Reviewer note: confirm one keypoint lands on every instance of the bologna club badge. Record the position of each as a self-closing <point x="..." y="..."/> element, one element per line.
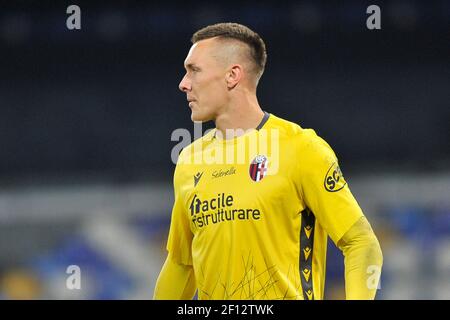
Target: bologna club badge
<point x="258" y="168"/>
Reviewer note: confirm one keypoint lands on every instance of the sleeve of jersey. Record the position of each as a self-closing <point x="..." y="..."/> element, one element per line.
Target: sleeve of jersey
<point x="363" y="261"/>
<point x="180" y="236"/>
<point x="175" y="282"/>
<point x="323" y="187"/>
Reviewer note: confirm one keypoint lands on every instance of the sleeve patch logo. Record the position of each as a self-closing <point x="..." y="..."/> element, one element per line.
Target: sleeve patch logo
<point x="334" y="180"/>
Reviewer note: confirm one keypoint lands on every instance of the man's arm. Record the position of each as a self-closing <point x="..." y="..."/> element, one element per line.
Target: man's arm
<point x="363" y="261"/>
<point x="328" y="196"/>
<point x="175" y="282"/>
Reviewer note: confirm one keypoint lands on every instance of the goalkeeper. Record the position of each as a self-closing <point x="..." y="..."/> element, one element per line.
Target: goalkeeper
<point x="254" y="223"/>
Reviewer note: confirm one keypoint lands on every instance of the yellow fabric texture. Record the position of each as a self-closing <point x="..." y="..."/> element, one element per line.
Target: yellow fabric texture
<point x="258" y="233"/>
<point x="175" y="282"/>
<point x="363" y="261"/>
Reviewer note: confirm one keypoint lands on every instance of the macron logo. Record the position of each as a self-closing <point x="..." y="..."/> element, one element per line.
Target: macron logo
<point x="197" y="177"/>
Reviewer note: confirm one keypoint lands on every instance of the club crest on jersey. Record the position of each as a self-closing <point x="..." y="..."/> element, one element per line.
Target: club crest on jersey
<point x="258" y="168"/>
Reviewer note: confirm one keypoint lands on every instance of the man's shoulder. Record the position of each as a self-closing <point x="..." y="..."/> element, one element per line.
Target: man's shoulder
<point x="305" y="140"/>
<point x="310" y="149"/>
<point x="292" y="129"/>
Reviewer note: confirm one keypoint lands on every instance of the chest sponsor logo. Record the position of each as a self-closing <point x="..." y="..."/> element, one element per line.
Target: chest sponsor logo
<point x="219" y="209"/>
<point x="258" y="168"/>
<point x="334" y="180"/>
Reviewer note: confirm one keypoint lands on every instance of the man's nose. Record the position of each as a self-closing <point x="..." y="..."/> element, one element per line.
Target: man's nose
<point x="184" y="85"/>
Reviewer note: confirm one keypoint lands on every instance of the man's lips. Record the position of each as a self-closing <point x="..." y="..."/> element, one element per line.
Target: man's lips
<point x="190" y="101"/>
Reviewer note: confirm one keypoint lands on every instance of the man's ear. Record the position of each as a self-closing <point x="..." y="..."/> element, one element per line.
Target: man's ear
<point x="234" y="75"/>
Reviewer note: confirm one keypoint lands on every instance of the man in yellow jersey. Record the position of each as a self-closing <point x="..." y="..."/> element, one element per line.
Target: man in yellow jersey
<point x="256" y="197"/>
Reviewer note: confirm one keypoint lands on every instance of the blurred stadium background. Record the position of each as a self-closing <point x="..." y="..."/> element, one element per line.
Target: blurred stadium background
<point x="86" y="118"/>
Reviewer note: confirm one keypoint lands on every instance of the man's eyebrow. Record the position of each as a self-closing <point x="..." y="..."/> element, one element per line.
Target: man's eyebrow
<point x="191" y="66"/>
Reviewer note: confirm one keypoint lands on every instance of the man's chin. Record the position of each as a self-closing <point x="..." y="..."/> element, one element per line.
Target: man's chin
<point x="195" y="117"/>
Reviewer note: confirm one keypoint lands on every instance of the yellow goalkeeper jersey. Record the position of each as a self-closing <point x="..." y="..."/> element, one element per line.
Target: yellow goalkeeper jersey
<point x="252" y="214"/>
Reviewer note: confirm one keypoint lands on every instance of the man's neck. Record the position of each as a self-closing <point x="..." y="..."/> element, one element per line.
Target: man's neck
<point x="239" y="117"/>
